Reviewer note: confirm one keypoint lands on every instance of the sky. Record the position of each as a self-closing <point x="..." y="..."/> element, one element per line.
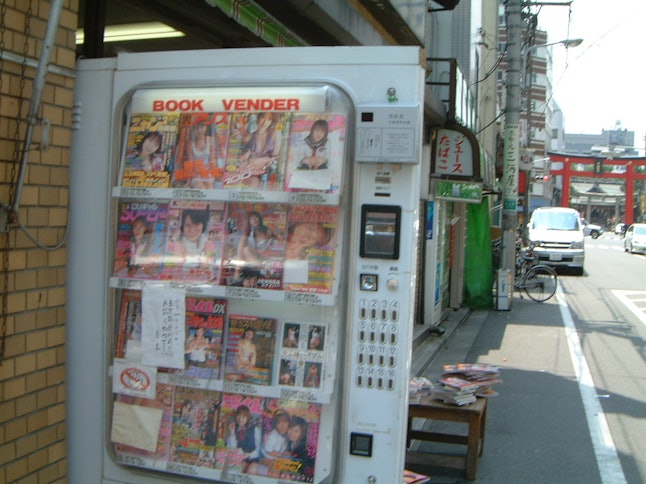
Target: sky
<point x="603" y="80"/>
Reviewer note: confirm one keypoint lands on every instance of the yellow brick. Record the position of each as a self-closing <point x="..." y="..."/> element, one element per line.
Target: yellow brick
<point x="15" y="429"/>
<point x="25" y="280"/>
<point x="37" y="460"/>
<point x="56" y="375"/>
<point x="46" y="318"/>
<point x="37" y="340"/>
<point x="14" y="345"/>
<point x="26" y="445"/>
<point x="37" y="216"/>
<point x="15" y="470"/>
<point x="59" y="176"/>
<point x="46" y="358"/>
<point x="36" y="381"/>
<point x="18" y="260"/>
<point x="56" y="296"/>
<point x="26" y="404"/>
<point x="14" y="388"/>
<point x="56" y="336"/>
<point x="36" y="421"/>
<point x="7" y="411"/>
<point x="7" y="371"/>
<point x="56" y="452"/>
<point x="56" y="414"/>
<point x="7" y="453"/>
<point x="47" y="436"/>
<point x="35" y="300"/>
<point x="58" y="217"/>
<point x="49" y="196"/>
<point x="25" y="363"/>
<point x="16" y="302"/>
<point x="46" y="397"/>
<point x="26" y="322"/>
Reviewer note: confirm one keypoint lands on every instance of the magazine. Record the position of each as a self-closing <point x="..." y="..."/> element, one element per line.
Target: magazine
<point x="140" y="239"/>
<point x="150" y="150"/>
<point x="240" y="432"/>
<point x="290" y="440"/>
<point x="411" y="477"/>
<point x="250" y="349"/>
<point x="201" y="150"/>
<point x="254" y="249"/>
<point x="128" y="332"/>
<point x="195" y="426"/>
<point x="302" y="354"/>
<point x="164" y="400"/>
<point x="255" y="153"/>
<point x="310" y="251"/>
<point x="315" y="152"/>
<point x="194" y="242"/>
<point x="204" y="337"/>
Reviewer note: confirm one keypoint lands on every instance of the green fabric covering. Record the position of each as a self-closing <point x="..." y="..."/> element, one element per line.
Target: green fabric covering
<point x="478" y="270"/>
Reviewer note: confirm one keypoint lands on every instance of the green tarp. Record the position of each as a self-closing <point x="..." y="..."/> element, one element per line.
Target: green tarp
<point x="478" y="270"/>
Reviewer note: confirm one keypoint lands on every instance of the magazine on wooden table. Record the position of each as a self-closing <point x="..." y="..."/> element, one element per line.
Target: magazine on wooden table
<point x="141" y="236"/>
<point x="256" y="151"/>
<point x="290" y="440"/>
<point x="204" y="348"/>
<point x="310" y="252"/>
<point x="150" y="150"/>
<point x="194" y="241"/>
<point x="254" y="249"/>
<point x="315" y="152"/>
<point x="201" y="150"/>
<point x="302" y="354"/>
<point x="250" y="349"/>
<point x="240" y="432"/>
<point x="164" y="399"/>
<point x="195" y="426"/>
<point x="411" y="477"/>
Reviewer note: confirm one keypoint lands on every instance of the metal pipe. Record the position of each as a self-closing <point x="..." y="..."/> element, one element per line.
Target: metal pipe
<point x="37" y="94"/>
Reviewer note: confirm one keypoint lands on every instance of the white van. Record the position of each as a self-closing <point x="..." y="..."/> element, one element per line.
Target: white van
<point x="556" y="233"/>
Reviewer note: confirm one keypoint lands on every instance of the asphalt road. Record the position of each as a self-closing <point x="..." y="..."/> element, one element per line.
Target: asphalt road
<point x="572" y="407"/>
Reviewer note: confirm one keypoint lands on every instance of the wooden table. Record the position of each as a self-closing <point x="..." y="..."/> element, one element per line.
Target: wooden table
<point x="475" y="415"/>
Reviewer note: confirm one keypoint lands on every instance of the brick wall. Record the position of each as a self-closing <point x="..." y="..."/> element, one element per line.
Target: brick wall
<point x="32" y="371"/>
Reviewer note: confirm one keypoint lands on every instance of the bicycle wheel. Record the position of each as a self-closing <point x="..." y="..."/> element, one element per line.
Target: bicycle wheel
<point x="540" y="283"/>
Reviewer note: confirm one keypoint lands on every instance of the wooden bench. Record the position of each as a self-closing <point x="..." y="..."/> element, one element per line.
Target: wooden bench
<point x="475" y="415"/>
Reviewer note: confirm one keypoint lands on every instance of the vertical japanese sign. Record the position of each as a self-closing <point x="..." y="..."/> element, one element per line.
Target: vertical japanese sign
<point x="510" y="168"/>
<point x="162" y="331"/>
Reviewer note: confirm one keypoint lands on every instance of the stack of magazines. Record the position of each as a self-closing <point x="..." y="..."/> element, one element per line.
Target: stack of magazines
<point x="418" y="388"/>
<point x="463" y="382"/>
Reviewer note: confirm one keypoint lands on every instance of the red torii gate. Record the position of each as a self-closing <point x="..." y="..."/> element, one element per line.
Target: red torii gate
<point x="630" y="175"/>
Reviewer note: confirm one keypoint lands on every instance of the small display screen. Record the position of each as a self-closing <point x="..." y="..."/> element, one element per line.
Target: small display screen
<point x="367" y="117"/>
<point x="380" y="226"/>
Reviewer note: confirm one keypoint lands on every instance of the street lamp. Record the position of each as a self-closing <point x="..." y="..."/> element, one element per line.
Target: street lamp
<point x="525" y="69"/>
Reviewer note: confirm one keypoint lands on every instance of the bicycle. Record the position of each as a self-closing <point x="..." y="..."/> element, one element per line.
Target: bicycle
<point x="539" y="281"/>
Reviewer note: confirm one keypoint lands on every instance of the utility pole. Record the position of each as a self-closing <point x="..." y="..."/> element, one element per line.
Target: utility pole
<point x="512" y="134"/>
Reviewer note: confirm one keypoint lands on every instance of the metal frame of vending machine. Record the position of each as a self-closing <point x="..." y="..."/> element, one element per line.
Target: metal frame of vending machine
<point x="187" y="349"/>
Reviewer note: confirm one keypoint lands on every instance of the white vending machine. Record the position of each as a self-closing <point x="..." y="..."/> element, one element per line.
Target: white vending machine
<point x="242" y="259"/>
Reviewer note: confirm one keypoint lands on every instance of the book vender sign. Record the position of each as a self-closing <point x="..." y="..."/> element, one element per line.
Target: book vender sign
<point x="455" y="165"/>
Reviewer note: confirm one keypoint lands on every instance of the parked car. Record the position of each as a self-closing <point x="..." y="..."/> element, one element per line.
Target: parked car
<point x="592" y="230"/>
<point x="635" y="238"/>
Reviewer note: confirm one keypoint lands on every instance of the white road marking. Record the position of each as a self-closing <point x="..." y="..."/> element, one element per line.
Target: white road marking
<point x="608" y="462"/>
<point x="630" y="298"/>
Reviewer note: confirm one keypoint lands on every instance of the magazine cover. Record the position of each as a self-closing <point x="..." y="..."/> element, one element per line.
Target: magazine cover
<point x="250" y="349"/>
<point x="164" y="401"/>
<point x="196" y="413"/>
<point x="201" y="150"/>
<point x="255" y="153"/>
<point x="150" y="150"/>
<point x="129" y="324"/>
<point x="254" y="249"/>
<point x="311" y="249"/>
<point x="240" y="432"/>
<point x="140" y="239"/>
<point x="289" y="440"/>
<point x="315" y="152"/>
<point x="302" y="352"/>
<point x="194" y="242"/>
<point x="204" y="337"/>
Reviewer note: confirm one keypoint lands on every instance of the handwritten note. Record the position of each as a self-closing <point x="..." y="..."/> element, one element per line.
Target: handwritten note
<point x="163" y="315"/>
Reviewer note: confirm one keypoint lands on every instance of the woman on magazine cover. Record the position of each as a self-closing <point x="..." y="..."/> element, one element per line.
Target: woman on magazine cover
<point x="306" y="235"/>
<point x="247" y="351"/>
<point x="194" y="247"/>
<point x="147" y="154"/>
<point x="202" y="151"/>
<point x="314" y="149"/>
<point x="261" y="151"/>
<point x="274" y="445"/>
<point x="243" y="433"/>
